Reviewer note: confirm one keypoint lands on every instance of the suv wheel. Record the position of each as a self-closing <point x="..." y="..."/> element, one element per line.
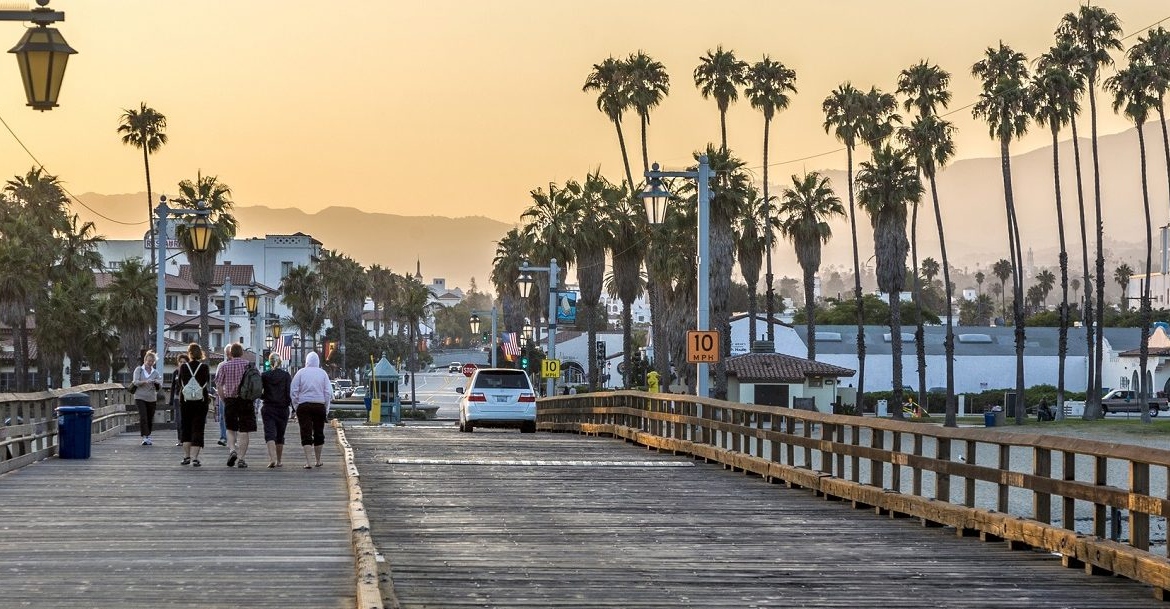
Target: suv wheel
<point x="1153" y="411"/>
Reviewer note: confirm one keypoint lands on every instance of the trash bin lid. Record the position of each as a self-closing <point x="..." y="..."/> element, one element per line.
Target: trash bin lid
<point x="74" y="410"/>
<point x="74" y="399"/>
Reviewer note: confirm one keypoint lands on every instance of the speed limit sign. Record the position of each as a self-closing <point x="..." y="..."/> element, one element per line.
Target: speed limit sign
<point x="702" y="346"/>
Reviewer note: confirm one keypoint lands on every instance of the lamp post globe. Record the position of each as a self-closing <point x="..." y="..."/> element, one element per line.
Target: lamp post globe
<point x="655" y="198"/>
<point x="251" y="301"/>
<point x="276" y="328"/>
<point x="525" y="284"/>
<point x="268" y="341"/>
<point x="527" y="330"/>
<point x="42" y="54"/>
<point x="200" y="233"/>
<point x="474" y="323"/>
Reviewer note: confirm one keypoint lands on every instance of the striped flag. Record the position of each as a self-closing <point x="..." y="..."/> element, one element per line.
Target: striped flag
<point x="511" y="347"/>
<point x="284" y="348"/>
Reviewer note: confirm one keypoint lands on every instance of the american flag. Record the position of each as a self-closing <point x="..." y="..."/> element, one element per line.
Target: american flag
<point x="511" y="347"/>
<point x="284" y="348"/>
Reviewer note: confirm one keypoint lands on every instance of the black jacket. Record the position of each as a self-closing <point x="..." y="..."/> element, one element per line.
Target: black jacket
<point x="276" y="388"/>
<point x="202" y="376"/>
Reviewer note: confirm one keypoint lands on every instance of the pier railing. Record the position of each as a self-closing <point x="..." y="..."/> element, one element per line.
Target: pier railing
<point x="1096" y="504"/>
<point x="28" y="421"/>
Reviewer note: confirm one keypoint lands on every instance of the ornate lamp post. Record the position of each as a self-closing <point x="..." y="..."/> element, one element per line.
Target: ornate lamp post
<point x="525" y="283"/>
<point x="655" y="198"/>
<point x="475" y="325"/>
<point x="200" y="233"/>
<point x="41" y="54"/>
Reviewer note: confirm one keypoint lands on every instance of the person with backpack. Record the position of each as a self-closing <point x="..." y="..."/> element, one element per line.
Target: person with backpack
<point x="193" y="379"/>
<point x="239" y="413"/>
<point x="276" y="408"/>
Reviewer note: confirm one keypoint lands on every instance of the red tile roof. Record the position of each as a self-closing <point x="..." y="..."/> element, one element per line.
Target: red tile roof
<point x="241" y="274"/>
<point x="778" y="367"/>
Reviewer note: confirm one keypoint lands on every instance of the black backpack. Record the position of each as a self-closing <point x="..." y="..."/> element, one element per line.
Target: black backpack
<point x="251" y="385"/>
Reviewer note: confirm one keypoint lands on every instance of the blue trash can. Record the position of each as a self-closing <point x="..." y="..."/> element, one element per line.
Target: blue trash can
<point x="74" y="420"/>
<point x="989" y="419"/>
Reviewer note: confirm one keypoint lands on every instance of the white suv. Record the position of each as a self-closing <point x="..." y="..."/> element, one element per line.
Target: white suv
<point x="497" y="397"/>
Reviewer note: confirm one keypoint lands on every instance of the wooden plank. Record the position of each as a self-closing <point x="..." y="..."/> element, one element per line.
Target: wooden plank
<point x="463" y="523"/>
<point x="131" y="527"/>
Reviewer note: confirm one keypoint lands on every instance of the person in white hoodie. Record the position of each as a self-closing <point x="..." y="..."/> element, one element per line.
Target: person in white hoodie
<point x="311" y="395"/>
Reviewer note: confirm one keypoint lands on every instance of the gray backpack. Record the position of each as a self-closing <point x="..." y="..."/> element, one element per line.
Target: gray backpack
<point x="193" y="391"/>
<point x="251" y="385"/>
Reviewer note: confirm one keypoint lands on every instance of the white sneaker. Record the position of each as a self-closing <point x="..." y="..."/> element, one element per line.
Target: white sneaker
<point x="148" y="441"/>
<point x="145" y="442"/>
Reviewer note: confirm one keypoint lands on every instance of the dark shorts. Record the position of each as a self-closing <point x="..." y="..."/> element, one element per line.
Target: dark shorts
<point x="239" y="415"/>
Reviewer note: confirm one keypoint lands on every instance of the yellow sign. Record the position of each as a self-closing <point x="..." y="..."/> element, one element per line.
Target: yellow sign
<point x="550" y="368"/>
<point x="702" y="346"/>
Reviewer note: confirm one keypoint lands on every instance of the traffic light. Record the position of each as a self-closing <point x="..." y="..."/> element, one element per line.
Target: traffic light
<point x="601" y="359"/>
<point x="524" y="362"/>
<point x="486" y="336"/>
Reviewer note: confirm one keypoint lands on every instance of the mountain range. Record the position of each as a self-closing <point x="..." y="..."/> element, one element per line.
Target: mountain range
<point x="970" y="192"/>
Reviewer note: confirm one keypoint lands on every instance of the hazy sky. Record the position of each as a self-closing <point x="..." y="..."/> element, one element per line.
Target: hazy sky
<point x="461" y="108"/>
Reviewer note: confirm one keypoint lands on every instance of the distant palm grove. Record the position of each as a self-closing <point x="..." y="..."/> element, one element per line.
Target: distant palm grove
<point x="597" y="228"/>
<point x="896" y="142"/>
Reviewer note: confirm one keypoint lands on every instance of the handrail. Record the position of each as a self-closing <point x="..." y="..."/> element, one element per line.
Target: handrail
<point x="1030" y="490"/>
<point x="28" y="421"/>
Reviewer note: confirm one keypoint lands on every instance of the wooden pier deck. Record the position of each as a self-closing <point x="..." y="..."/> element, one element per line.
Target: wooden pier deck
<point x="130" y="527"/>
<point x="502" y="519"/>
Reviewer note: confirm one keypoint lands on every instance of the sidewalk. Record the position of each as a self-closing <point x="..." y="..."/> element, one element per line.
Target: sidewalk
<point x="131" y="527"/>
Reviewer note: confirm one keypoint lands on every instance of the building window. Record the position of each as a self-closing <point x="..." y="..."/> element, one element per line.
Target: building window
<point x="172" y="302"/>
<point x="285" y="268"/>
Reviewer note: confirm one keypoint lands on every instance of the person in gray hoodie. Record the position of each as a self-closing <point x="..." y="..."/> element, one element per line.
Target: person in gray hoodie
<point x="147" y="382"/>
<point x="311" y="395"/>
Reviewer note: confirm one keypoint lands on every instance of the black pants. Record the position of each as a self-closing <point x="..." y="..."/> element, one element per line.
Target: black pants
<point x="145" y="417"/>
<point x="311" y="418"/>
<point x="194" y="416"/>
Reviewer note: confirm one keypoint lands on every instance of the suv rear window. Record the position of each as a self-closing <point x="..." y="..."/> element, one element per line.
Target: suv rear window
<point x="501" y="379"/>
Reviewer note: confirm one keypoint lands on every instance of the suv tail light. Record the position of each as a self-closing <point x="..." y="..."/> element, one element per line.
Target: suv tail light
<point x="477" y="397"/>
<point x="527" y="397"/>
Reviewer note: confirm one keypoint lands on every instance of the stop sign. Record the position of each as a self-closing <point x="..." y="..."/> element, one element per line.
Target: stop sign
<point x="469" y="369"/>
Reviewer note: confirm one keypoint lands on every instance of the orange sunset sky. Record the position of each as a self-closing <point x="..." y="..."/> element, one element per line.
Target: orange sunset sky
<point x="460" y="108"/>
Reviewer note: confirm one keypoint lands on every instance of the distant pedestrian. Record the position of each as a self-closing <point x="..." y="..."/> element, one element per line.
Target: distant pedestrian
<point x="193" y="412"/>
<point x="239" y="416"/>
<point x="147" y="383"/>
<point x="311" y="393"/>
<point x="176" y="393"/>
<point x="219" y="405"/>
<point x="275" y="411"/>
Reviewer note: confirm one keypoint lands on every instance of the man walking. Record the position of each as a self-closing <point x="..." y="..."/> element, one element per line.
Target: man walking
<point x="239" y="415"/>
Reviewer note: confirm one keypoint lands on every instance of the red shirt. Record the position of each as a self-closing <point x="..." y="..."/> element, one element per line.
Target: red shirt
<point x="228" y="376"/>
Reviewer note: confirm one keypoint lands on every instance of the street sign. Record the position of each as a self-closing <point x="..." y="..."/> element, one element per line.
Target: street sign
<point x="550" y="368"/>
<point x="469" y="369"/>
<point x="702" y="346"/>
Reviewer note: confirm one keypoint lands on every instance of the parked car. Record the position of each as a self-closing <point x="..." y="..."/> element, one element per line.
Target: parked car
<point x="454" y="367"/>
<point x="1125" y="400"/>
<point x="359" y="392"/>
<point x="497" y="397"/>
<point x="346" y="387"/>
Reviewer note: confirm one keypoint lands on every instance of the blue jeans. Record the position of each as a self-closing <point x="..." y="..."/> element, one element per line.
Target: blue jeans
<point x="222" y="422"/>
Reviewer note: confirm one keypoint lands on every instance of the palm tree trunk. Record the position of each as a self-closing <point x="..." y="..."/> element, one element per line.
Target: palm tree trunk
<point x="857" y="288"/>
<point x="949" y="345"/>
<point x="1144" y="351"/>
<point x="625" y="155"/>
<point x="770" y="296"/>
<point x="1062" y="340"/>
<point x="810" y="312"/>
<point x="896" y="350"/>
<point x="645" y="147"/>
<point x="1017" y="277"/>
<point x="722" y="254"/>
<point x="919" y="332"/>
<point x="20" y="352"/>
<point x="150" y="206"/>
<point x="723" y="130"/>
<point x="627" y="341"/>
<point x="1093" y="400"/>
<point x="1093" y="408"/>
<point x="204" y="323"/>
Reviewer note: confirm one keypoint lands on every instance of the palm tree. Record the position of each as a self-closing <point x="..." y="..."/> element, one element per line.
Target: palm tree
<point x="929" y="269"/>
<point x="131" y="307"/>
<point x="302" y="293"/>
<point x="145" y="129"/>
<point x="589" y="241"/>
<point x="628" y="250"/>
<point x="805" y="211"/>
<point x="929" y="138"/>
<point x="1121" y="276"/>
<point x="845" y="117"/>
<point x="1055" y="90"/>
<point x="216" y="199"/>
<point x="511" y="250"/>
<point x="719" y="75"/>
<point x="886" y="186"/>
<point x="1005" y="105"/>
<point x="1154" y="53"/>
<point x="1003" y="270"/>
<point x="979" y="278"/>
<point x="1046" y="280"/>
<point x="769" y="83"/>
<point x="1133" y="95"/>
<point x="751" y="234"/>
<point x="648" y="84"/>
<point x="1095" y="31"/>
<point x="609" y="79"/>
<point x="343" y="282"/>
<point x="1075" y="285"/>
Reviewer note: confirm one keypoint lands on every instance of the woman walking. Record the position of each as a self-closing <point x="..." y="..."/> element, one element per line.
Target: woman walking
<point x="176" y="393"/>
<point x="311" y="393"/>
<point x="193" y="412"/>
<point x="277" y="404"/>
<point x="147" y="383"/>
